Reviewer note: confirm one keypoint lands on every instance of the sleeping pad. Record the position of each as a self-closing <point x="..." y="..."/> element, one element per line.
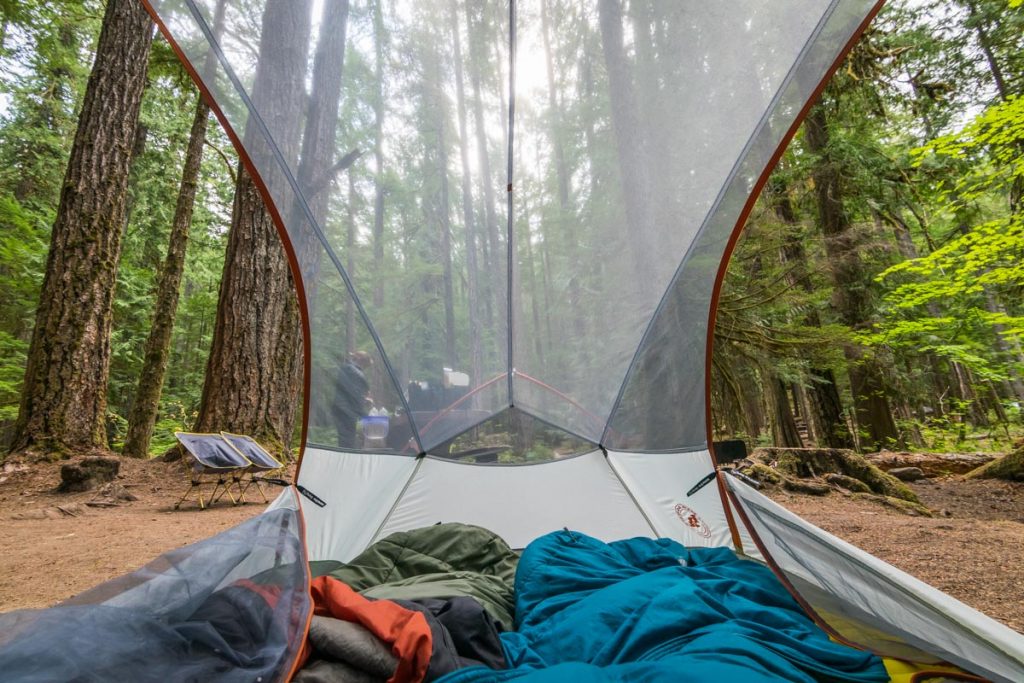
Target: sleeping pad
<point x="653" y="610"/>
<point x="440" y="561"/>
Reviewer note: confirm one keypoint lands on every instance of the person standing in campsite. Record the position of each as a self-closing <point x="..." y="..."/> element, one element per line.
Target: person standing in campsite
<point x="352" y="396"/>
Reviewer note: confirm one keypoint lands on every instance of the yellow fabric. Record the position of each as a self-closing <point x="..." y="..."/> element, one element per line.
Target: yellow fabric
<point x="903" y="672"/>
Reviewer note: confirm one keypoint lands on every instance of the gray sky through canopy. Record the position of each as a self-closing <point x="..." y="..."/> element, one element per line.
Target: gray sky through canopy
<point x="640" y="129"/>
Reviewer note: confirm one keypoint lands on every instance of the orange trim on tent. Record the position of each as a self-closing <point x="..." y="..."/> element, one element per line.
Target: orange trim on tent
<point x="748" y="208"/>
<point x="723" y="265"/>
<point x="289" y="249"/>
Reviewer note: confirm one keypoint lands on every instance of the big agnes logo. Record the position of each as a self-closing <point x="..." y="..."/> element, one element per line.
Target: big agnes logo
<point x="693" y="520"/>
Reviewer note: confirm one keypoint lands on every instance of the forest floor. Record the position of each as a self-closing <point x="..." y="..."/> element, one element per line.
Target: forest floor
<point x="971" y="549"/>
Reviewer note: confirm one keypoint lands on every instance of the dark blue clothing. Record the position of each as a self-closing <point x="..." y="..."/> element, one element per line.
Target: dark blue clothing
<point x="349" y="402"/>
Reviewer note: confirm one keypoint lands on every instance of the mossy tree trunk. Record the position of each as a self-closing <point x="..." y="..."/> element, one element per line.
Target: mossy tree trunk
<point x="1009" y="467"/>
<point x="784" y="431"/>
<point x="850" y="293"/>
<point x="64" y="400"/>
<point x="826" y="405"/>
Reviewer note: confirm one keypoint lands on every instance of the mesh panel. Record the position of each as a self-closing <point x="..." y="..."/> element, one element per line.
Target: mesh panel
<point x="380" y="132"/>
<point x="512" y="437"/>
<point x="662" y="401"/>
<point x="231" y="608"/>
<point x="211" y="450"/>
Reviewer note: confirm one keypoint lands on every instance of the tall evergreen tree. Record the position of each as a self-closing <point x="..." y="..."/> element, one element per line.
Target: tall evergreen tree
<point x="64" y="403"/>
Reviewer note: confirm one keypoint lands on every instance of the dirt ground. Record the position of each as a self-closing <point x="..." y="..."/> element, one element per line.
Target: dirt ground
<point x="46" y="560"/>
<point x="973" y="548"/>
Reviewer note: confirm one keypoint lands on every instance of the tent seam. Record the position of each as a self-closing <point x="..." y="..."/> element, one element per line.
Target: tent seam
<point x="629" y="491"/>
<point x="511" y="156"/>
<point x="398" y="499"/>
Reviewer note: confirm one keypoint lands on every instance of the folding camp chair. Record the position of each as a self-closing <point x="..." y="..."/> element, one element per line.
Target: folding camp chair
<point x="212" y="462"/>
<point x="261" y="463"/>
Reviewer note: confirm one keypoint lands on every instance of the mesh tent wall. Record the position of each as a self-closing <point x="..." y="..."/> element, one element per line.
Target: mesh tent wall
<point x="516" y="217"/>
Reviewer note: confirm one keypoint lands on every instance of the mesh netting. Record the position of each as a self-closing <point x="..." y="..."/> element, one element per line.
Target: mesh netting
<point x="233" y="607"/>
<point x="381" y="132"/>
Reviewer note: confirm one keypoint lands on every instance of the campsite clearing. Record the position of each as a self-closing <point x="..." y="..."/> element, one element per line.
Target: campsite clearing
<point x="971" y="549"/>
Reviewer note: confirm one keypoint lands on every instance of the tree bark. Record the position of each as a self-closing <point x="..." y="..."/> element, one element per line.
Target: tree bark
<point x="475" y="332"/>
<point x="144" y="410"/>
<point x="250" y="372"/>
<point x="826" y="404"/>
<point x="315" y="175"/>
<point x="64" y="399"/>
<point x="566" y="217"/>
<point x="784" y="431"/>
<point x="479" y="52"/>
<point x="378" y="156"/>
<point x="849" y="280"/>
<point x="627" y="126"/>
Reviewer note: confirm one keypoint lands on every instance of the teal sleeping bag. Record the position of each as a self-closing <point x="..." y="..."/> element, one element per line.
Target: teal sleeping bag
<point x="653" y="610"/>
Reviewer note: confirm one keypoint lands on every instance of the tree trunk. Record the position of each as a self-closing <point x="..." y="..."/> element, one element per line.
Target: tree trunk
<point x="378" y="156"/>
<point x="158" y="344"/>
<point x="64" y="399"/>
<point x="477" y="51"/>
<point x="823" y="394"/>
<point x="530" y="266"/>
<point x="566" y="218"/>
<point x="627" y="126"/>
<point x="250" y="373"/>
<point x="350" y="264"/>
<point x="437" y="117"/>
<point x="315" y="175"/>
<point x="784" y="431"/>
<point x="849" y="280"/>
<point x="475" y="332"/>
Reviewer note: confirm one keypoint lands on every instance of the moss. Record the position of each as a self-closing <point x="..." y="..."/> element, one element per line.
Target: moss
<point x="815" y="462"/>
<point x="1009" y="467"/>
<point x="848" y="483"/>
<point x="763" y="474"/>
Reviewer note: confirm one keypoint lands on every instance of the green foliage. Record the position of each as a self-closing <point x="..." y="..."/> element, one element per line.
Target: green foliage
<point x="12" y="370"/>
<point x="980" y="264"/>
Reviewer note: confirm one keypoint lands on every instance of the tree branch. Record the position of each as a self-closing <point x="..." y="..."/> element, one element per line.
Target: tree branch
<point x="323" y="181"/>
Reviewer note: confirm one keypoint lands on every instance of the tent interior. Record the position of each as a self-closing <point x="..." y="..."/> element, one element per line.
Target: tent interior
<point x="507" y="222"/>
